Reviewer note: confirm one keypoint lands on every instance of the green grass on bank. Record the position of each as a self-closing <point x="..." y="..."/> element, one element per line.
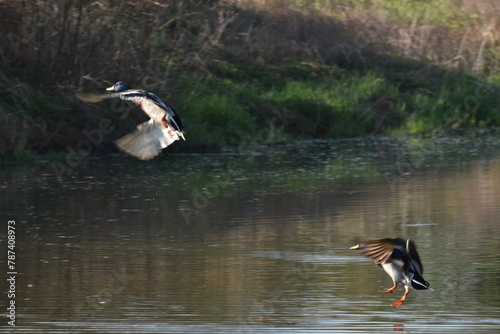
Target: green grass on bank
<point x="295" y="100"/>
<point x="307" y="100"/>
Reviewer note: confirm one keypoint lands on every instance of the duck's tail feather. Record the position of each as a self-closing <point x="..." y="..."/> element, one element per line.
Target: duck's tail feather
<point x="420" y="284"/>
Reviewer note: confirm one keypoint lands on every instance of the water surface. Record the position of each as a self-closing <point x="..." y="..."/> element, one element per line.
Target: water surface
<point x="256" y="239"/>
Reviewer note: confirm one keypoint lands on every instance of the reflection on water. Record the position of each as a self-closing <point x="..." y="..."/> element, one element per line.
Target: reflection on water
<point x="257" y="240"/>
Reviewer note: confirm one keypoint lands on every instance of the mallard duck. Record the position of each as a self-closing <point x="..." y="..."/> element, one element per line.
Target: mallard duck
<point x="400" y="260"/>
<point x="163" y="128"/>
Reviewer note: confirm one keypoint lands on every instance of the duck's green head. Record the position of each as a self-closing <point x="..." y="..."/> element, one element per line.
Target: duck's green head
<point x="118" y="87"/>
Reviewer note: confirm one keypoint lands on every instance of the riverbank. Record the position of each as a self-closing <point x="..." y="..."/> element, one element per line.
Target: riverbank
<point x="246" y="71"/>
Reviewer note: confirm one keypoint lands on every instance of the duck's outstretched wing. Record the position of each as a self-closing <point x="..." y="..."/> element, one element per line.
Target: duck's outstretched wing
<point x="147" y="141"/>
<point x="151" y="104"/>
<point x="93" y="97"/>
<point x="381" y="250"/>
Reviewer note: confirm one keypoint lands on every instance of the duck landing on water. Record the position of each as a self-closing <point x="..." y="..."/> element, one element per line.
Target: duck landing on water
<point x="163" y="128"/>
<point x="400" y="260"/>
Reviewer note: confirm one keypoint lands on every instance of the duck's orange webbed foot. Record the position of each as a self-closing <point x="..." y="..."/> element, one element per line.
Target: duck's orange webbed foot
<point x="398" y="303"/>
<point x="389" y="290"/>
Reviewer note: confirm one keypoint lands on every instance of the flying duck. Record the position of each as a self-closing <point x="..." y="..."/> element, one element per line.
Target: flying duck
<point x="163" y="128"/>
<point x="400" y="260"/>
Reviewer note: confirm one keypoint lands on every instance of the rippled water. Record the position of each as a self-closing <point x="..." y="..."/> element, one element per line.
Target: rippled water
<point x="257" y="240"/>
